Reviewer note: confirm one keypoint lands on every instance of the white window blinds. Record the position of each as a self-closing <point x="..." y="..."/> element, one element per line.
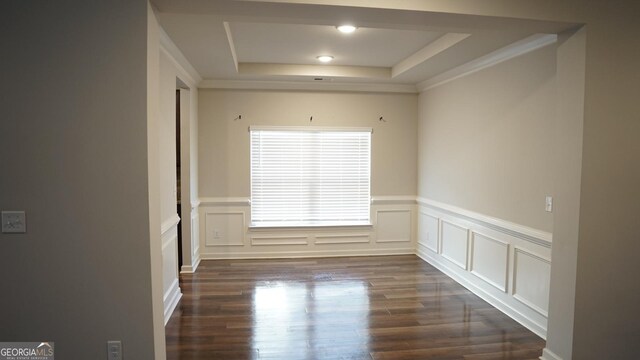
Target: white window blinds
<point x="310" y="176"/>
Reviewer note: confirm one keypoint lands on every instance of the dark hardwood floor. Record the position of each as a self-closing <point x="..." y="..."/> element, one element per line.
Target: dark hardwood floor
<point x="383" y="307"/>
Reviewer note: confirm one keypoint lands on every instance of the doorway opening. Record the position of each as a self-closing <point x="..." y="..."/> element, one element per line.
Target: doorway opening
<point x="178" y="180"/>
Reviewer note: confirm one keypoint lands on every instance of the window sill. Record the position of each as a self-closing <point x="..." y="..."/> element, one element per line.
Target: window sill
<point x="308" y="225"/>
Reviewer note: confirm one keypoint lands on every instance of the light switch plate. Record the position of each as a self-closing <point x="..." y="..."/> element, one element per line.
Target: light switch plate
<point x="548" y="204"/>
<point x="114" y="350"/>
<point x="14" y="222"/>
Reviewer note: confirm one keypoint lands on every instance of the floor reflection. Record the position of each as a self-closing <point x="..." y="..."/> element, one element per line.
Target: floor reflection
<point x="391" y="307"/>
<point x="296" y="320"/>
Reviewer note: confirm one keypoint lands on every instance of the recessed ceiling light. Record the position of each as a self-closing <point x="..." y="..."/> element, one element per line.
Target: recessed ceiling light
<point x="324" y="58"/>
<point x="346" y="29"/>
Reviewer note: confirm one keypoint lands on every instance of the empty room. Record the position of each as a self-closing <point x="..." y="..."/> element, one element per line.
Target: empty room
<point x="271" y="179"/>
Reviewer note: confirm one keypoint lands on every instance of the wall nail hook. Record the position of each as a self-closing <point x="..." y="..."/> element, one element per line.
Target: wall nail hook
<point x="311" y="119"/>
<point x="381" y="119"/>
<point x="239" y="117"/>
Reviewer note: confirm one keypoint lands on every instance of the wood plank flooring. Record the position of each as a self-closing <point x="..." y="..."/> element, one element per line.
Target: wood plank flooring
<point x="383" y="307"/>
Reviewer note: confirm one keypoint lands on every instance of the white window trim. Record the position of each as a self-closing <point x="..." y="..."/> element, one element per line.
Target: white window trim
<point x="283" y="225"/>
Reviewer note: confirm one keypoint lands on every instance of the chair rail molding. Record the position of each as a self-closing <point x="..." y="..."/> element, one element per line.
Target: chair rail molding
<point x="504" y="263"/>
<point x="224" y="201"/>
<point x="393" y="200"/>
<point x="226" y="232"/>
<point x="169" y="223"/>
<point x="536" y="236"/>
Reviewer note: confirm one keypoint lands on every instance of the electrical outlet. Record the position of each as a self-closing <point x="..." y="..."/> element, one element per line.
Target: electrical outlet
<point x="114" y="350"/>
<point x="14" y="222"/>
<point x="548" y="204"/>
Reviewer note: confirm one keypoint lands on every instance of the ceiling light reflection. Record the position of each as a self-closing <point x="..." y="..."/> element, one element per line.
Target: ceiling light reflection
<point x="325" y="58"/>
<point x="346" y="29"/>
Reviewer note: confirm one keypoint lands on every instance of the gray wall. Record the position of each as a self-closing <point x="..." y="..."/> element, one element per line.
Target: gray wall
<point x="486" y="141"/>
<point x="607" y="289"/>
<point x="73" y="149"/>
<point x="567" y="160"/>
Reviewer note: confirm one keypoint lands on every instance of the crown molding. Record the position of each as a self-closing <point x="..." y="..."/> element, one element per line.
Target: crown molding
<point x="309" y="86"/>
<point x="187" y="72"/>
<point x="518" y="48"/>
<point x="232" y="45"/>
<point x="434" y="48"/>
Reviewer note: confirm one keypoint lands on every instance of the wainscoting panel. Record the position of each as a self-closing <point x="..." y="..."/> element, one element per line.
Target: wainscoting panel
<point x="489" y="260"/>
<point x="169" y="261"/>
<point x="392" y="232"/>
<point x="531" y="280"/>
<point x="393" y="225"/>
<point x="195" y="237"/>
<point x="506" y="264"/>
<point x="330" y="239"/>
<point x="279" y="240"/>
<point x="195" y="244"/>
<point x="431" y="229"/>
<point x="190" y="263"/>
<point x="171" y="288"/>
<point x="224" y="228"/>
<point x="455" y="243"/>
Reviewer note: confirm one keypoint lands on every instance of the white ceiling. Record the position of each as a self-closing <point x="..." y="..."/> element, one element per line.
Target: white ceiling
<point x="260" y="40"/>
<point x="300" y="44"/>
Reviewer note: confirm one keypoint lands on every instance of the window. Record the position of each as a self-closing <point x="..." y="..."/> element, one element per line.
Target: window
<point x="310" y="176"/>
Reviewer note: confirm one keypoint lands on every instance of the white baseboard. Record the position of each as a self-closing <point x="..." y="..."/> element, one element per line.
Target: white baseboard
<point x="307" y="254"/>
<point x="495" y="302"/>
<point x="171" y="299"/>
<point x="549" y="355"/>
<point x="190" y="269"/>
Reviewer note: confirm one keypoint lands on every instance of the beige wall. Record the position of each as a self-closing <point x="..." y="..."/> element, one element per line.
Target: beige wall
<point x="224" y="143"/>
<point x="602" y="239"/>
<point x="567" y="169"/>
<point x="73" y="144"/>
<point x="167" y="137"/>
<point x="486" y="141"/>
<point x="153" y="182"/>
<point x="607" y="291"/>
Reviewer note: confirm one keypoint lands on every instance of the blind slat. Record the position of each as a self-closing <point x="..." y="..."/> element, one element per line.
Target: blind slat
<point x="310" y="176"/>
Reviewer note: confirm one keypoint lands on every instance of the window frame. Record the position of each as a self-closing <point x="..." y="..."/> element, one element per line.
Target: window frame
<point x="310" y="224"/>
